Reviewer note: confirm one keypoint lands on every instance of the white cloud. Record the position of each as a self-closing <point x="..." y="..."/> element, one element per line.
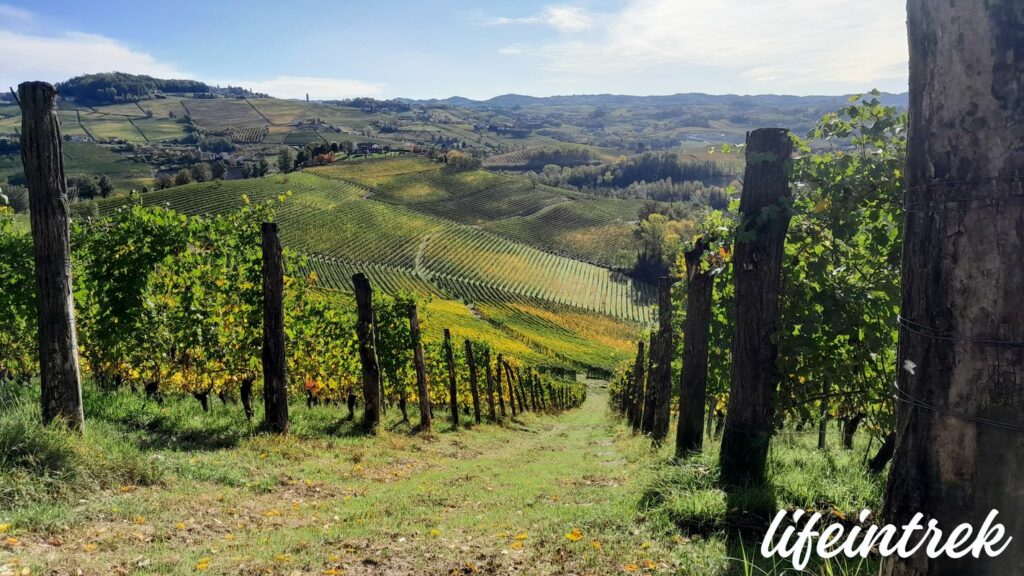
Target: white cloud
<point x="56" y="58"/>
<point x="15" y="15"/>
<point x="782" y="45"/>
<point x="318" y="88"/>
<point x="559" y="17"/>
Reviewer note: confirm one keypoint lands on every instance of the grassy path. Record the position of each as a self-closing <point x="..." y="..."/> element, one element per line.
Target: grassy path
<point x="543" y="495"/>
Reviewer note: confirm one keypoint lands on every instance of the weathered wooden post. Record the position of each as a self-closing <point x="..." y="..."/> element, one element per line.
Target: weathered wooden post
<point x="511" y="389"/>
<point x="757" y="266"/>
<point x="696" y="332"/>
<point x="501" y="397"/>
<point x="43" y="161"/>
<point x="636" y="407"/>
<point x="366" y="333"/>
<point x="823" y="422"/>
<point x="453" y="389"/>
<point x="472" y="381"/>
<point x="661" y="370"/>
<point x="422" y="388"/>
<point x="650" y="391"/>
<point x="490" y="385"/>
<point x="960" y="358"/>
<point x="275" y="383"/>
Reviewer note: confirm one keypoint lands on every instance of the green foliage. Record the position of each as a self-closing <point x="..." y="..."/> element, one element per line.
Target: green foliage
<point x="18" y="339"/>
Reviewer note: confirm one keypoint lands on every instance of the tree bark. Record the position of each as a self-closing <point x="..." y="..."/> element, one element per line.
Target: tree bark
<point x="757" y="266"/>
<point x="662" y="363"/>
<point x="472" y="381"/>
<point x="453" y="390"/>
<point x="490" y="386"/>
<point x="422" y="388"/>
<point x="366" y="332"/>
<point x="959" y="358"/>
<point x="43" y="160"/>
<point x="275" y="391"/>
<point x="696" y="331"/>
<point x="501" y="396"/>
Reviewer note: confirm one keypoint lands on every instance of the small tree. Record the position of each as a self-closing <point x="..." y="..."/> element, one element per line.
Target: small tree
<point x="219" y="170"/>
<point x="105" y="187"/>
<point x="183" y="177"/>
<point x="200" y="172"/>
<point x="286" y="160"/>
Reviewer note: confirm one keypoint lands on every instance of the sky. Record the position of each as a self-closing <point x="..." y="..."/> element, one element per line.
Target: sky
<point x="442" y="48"/>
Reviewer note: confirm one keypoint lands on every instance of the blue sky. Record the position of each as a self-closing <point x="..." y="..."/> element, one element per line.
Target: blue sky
<point x="441" y="48"/>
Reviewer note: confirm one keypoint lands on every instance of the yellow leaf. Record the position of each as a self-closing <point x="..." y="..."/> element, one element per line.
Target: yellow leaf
<point x="435" y="533"/>
<point x="515" y="545"/>
<point x="282" y="557"/>
<point x="203" y="564"/>
<point x="821" y="206"/>
<point x="521" y="536"/>
<point x="648" y="564"/>
<point x="11" y="541"/>
<point x="596" y="545"/>
<point x="575" y="535"/>
<point x="5" y="527"/>
<point x="89" y="547"/>
<point x="630" y="567"/>
<point x="180" y="526"/>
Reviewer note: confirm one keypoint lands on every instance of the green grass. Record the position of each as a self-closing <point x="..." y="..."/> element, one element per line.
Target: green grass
<point x="569" y="494"/>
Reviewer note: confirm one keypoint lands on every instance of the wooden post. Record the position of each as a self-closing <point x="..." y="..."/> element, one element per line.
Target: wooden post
<point x="501" y="396"/>
<point x="663" y="367"/>
<point x="650" y="392"/>
<point x="521" y="392"/>
<point x="366" y="332"/>
<point x="960" y="363"/>
<point x="757" y="266"/>
<point x="43" y="161"/>
<point x="511" y="389"/>
<point x="637" y="400"/>
<point x="490" y="386"/>
<point x="823" y="422"/>
<point x="472" y="381"/>
<point x="422" y="388"/>
<point x="850" y="429"/>
<point x="453" y="390"/>
<point x="696" y="332"/>
<point x="275" y="383"/>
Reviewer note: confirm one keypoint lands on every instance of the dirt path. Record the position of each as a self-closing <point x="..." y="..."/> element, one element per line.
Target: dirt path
<point x="543" y="495"/>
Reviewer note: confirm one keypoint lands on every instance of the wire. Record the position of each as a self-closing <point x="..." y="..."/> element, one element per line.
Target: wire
<point x="933" y="333"/>
<point x="907" y="398"/>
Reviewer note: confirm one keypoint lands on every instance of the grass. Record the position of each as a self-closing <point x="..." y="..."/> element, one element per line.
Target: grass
<point x="567" y="494"/>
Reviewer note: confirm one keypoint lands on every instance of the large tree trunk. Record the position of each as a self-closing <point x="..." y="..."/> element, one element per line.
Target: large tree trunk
<point x="961" y="365"/>
<point x="453" y="389"/>
<point x="366" y="333"/>
<point x="422" y="389"/>
<point x="696" y="331"/>
<point x="757" y="265"/>
<point x="43" y="161"/>
<point x="662" y="371"/>
<point x="472" y="381"/>
<point x="275" y="386"/>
